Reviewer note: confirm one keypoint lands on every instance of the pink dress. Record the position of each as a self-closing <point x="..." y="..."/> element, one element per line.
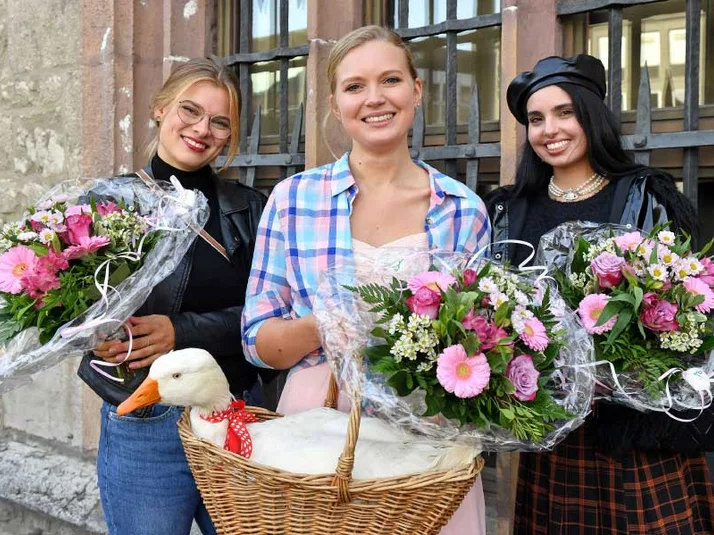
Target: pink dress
<point x="307" y="388"/>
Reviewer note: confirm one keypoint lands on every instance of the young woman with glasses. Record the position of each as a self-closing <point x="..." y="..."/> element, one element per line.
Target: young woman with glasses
<point x="145" y="483"/>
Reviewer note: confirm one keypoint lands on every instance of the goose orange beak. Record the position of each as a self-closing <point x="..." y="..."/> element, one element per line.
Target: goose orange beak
<point x="147" y="394"/>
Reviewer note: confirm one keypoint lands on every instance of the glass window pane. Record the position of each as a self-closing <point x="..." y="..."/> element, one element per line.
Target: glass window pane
<point x="297" y="22"/>
<point x="654" y="35"/>
<point x="265" y="77"/>
<point x="430" y="59"/>
<point x="266" y="24"/>
<point x="427" y="12"/>
<point x="479" y="62"/>
<point x="266" y="20"/>
<point x="297" y="75"/>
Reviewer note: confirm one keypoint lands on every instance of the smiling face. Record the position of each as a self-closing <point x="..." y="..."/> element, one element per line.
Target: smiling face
<point x="554" y="131"/>
<point x="375" y="100"/>
<point x="190" y="147"/>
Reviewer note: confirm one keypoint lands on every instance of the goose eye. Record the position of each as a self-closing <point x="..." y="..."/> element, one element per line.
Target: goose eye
<point x="176" y="375"/>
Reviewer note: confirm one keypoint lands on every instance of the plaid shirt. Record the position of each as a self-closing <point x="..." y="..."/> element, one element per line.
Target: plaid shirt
<point x="305" y="228"/>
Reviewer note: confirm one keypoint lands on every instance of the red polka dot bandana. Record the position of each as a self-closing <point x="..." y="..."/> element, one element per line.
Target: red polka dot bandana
<point x="237" y="438"/>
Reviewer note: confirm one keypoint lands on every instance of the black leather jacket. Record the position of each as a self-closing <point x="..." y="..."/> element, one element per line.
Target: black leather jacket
<point x="634" y="204"/>
<point x="218" y="332"/>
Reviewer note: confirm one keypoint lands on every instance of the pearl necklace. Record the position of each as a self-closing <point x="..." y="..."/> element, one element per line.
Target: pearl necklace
<point x="575" y="194"/>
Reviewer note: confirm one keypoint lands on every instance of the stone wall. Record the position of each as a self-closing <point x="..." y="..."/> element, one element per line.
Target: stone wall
<point x="45" y="481"/>
<point x="40" y="136"/>
<point x="40" y="98"/>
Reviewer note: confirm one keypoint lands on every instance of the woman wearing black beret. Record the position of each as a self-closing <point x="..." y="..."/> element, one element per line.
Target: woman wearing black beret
<point x="623" y="472"/>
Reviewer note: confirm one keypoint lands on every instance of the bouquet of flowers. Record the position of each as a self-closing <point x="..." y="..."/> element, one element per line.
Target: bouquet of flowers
<point x="481" y="353"/>
<point x="81" y="261"/>
<point x="647" y="300"/>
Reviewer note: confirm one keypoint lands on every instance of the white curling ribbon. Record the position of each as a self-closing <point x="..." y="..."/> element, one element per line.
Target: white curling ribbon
<point x="697" y="378"/>
<point x="523" y="265"/>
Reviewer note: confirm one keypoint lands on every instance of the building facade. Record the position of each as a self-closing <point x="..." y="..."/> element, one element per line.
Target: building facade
<point x="77" y="76"/>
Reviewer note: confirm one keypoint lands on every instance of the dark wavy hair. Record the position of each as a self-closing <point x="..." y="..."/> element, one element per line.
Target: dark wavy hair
<point x="606" y="156"/>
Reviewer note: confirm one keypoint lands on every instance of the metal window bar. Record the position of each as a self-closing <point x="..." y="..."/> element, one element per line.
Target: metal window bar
<point x="451" y="152"/>
<point x="289" y="158"/>
<point x="643" y="141"/>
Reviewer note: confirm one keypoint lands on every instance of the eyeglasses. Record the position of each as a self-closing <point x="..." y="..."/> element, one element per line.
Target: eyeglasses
<point x="191" y="113"/>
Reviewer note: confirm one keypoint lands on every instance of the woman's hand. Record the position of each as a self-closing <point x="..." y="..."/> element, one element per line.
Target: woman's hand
<point x="153" y="336"/>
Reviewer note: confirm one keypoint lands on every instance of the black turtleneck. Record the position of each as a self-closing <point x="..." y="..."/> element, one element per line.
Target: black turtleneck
<point x="213" y="283"/>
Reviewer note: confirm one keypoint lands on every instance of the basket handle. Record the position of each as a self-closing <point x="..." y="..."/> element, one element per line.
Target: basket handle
<point x="343" y="472"/>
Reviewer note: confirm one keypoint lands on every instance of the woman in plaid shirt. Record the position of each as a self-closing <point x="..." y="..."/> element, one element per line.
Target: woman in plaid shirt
<point x="374" y="196"/>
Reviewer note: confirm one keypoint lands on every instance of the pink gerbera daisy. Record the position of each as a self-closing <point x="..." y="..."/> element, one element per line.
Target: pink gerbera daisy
<point x="86" y="246"/>
<point x="463" y="376"/>
<point x="12" y="265"/>
<point x="590" y="310"/>
<point x="699" y="287"/>
<point x="534" y="335"/>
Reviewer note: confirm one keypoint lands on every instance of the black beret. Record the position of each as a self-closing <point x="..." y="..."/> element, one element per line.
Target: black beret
<point x="583" y="70"/>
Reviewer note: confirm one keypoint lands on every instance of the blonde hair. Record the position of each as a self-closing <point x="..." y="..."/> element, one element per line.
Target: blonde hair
<point x="358" y="37"/>
<point x="184" y="76"/>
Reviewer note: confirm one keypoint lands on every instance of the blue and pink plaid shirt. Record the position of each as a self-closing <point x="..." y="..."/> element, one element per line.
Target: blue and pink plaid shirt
<point x="306" y="227"/>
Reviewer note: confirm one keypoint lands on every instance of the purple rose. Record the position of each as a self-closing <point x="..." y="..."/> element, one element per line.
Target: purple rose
<point x="608" y="269"/>
<point x="660" y="316"/>
<point x="469" y="277"/>
<point x="425" y="302"/>
<point x="524" y="376"/>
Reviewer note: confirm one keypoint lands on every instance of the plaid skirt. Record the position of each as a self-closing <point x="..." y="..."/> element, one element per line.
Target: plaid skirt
<point x="577" y="490"/>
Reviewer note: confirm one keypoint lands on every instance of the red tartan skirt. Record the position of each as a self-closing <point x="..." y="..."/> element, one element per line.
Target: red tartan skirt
<point x="577" y="490"/>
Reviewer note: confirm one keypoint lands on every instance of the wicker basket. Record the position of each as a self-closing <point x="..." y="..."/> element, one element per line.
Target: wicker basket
<point x="246" y="498"/>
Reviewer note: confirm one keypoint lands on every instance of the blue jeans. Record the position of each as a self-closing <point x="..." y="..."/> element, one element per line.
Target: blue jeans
<point x="145" y="484"/>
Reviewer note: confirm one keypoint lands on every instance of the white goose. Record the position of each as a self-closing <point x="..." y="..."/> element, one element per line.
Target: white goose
<point x="309" y="442"/>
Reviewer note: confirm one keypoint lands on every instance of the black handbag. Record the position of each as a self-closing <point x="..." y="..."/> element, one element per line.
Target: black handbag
<point x="113" y="392"/>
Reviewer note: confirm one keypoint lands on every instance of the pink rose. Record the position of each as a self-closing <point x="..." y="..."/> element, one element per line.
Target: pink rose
<point x="425" y="302"/>
<point x="660" y="316"/>
<point x="469" y="277"/>
<point x="524" y="376"/>
<point x="608" y="269"/>
<point x="426" y="291"/>
<point x="78" y="227"/>
<point x="707" y="276"/>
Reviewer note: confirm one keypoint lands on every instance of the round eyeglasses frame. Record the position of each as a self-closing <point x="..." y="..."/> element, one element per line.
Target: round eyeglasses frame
<point x="216" y="123"/>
